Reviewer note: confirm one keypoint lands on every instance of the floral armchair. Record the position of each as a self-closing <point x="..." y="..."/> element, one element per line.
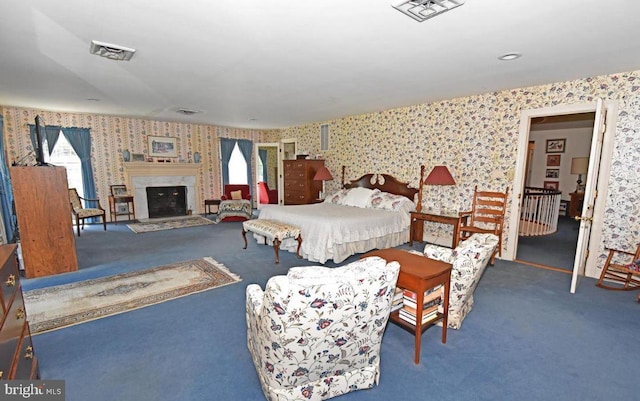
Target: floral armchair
<point x="316" y="332"/>
<point x="469" y="260"/>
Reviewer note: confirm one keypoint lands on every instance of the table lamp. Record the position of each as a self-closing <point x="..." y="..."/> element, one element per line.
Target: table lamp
<point x="440" y="175"/>
<point x="323" y="174"/>
<point x="579" y="166"/>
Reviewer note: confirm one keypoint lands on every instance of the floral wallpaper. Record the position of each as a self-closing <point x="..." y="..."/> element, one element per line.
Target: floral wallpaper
<point x="111" y="135"/>
<point x="476" y="137"/>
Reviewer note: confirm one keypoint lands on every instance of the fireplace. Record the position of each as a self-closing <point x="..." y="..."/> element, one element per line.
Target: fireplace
<point x="167" y="201"/>
<point x="141" y="175"/>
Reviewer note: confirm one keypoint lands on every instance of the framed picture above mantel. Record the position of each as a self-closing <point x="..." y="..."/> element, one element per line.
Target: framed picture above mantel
<point x="163" y="146"/>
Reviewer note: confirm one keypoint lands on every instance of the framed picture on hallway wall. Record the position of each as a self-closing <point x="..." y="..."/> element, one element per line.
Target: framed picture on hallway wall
<point x="552" y="173"/>
<point x="551" y="185"/>
<point x="553" y="160"/>
<point x="163" y="146"/>
<point x="556" y="145"/>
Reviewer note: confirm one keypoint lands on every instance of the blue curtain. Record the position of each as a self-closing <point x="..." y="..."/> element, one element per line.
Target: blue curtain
<point x="262" y="153"/>
<point x="246" y="148"/>
<point x="80" y="140"/>
<point x="51" y="134"/>
<point x="226" y="148"/>
<point x="6" y="192"/>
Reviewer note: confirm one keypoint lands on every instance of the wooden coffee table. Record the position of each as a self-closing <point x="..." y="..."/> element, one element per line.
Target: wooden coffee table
<point x="418" y="274"/>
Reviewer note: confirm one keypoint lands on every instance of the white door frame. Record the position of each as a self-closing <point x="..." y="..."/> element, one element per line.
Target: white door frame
<point x="602" y="187"/>
<point x="256" y="147"/>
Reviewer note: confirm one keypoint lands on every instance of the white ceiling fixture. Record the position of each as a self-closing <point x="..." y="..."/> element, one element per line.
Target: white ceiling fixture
<point x="187" y="112"/>
<point x="509" y="56"/>
<point x="112" y="52"/>
<point x="422" y="10"/>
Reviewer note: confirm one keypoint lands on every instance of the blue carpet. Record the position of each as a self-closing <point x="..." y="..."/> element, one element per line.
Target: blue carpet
<point x="554" y="250"/>
<point x="527" y="337"/>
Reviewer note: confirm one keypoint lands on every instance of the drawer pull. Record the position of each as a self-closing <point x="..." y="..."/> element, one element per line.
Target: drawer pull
<point x="20" y="313"/>
<point x="11" y="280"/>
<point x="28" y="353"/>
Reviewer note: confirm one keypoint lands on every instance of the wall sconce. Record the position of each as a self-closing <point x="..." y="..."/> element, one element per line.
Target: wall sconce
<point x="323" y="175"/>
<point x="579" y="166"/>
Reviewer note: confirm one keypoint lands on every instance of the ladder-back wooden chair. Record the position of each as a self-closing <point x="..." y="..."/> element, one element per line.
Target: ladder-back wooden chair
<point x="623" y="268"/>
<point x="486" y="216"/>
<point x="81" y="213"/>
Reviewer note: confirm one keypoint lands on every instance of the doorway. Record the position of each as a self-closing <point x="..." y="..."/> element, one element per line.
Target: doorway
<point x="266" y="155"/>
<point x="551" y="166"/>
<point x="599" y="166"/>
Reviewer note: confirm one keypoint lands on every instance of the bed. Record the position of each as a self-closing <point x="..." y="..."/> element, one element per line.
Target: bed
<point x="348" y="222"/>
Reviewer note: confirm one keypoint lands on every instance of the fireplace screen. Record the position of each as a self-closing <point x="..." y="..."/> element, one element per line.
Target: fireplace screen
<point x="167" y="201"/>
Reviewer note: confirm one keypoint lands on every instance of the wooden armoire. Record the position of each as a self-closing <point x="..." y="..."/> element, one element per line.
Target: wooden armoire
<point x="299" y="186"/>
<point x="43" y="210"/>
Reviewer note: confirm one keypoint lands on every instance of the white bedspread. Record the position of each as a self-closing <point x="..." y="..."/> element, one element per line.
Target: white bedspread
<point x="331" y="231"/>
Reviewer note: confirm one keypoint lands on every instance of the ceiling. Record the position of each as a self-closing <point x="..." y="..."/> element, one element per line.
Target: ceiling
<point x="272" y="64"/>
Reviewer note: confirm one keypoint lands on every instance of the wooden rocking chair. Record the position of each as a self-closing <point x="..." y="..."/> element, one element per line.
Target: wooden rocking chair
<point x="486" y="216"/>
<point x="621" y="267"/>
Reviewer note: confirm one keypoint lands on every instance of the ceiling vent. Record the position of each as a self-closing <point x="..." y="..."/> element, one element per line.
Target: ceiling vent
<point x="112" y="52"/>
<point x="187" y="112"/>
<point x="422" y="10"/>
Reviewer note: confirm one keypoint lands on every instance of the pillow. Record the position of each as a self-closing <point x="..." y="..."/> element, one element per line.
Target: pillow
<point x="236" y="195"/>
<point x="387" y="201"/>
<point x="358" y="197"/>
<point x="338" y="197"/>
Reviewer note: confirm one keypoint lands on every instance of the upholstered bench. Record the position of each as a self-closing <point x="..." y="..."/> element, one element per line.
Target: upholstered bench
<point x="272" y="230"/>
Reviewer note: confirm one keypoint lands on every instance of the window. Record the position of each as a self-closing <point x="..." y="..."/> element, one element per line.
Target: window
<point x="64" y="155"/>
<point x="237" y="167"/>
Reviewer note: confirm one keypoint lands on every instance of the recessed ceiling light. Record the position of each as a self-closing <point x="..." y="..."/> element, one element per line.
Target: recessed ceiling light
<point x="509" y="56"/>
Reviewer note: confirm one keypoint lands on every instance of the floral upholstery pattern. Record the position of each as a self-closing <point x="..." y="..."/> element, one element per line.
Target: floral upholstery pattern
<point x="271" y="229"/>
<point x="469" y="260"/>
<point x="338" y="197"/>
<point x="234" y="209"/>
<point x="316" y="333"/>
<point x="387" y="201"/>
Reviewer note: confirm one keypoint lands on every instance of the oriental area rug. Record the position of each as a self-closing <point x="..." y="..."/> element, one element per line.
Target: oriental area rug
<point x="74" y="303"/>
<point x="168" y="224"/>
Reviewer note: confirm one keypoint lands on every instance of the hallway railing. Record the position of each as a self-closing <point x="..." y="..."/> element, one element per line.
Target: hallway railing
<point x="539" y="211"/>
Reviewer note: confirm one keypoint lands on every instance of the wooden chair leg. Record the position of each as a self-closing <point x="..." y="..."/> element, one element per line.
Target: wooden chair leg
<point x="276" y="247"/>
<point x="78" y="226"/>
<point x="299" y="239"/>
<point x="104" y="222"/>
<point x="244" y="235"/>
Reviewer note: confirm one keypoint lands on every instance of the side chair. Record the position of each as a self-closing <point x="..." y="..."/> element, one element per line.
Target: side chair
<point x="81" y="213"/>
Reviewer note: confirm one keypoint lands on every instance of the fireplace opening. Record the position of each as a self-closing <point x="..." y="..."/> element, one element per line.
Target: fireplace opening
<point x="167" y="201"/>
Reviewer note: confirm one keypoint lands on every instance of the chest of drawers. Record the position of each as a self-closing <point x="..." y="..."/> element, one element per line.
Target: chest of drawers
<point x="299" y="186"/>
<point x="17" y="357"/>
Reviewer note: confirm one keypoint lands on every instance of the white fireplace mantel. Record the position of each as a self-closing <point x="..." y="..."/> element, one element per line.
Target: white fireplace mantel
<point x="140" y="175"/>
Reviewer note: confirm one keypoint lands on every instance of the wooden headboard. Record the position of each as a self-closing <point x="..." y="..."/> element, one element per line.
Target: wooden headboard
<point x="383" y="182"/>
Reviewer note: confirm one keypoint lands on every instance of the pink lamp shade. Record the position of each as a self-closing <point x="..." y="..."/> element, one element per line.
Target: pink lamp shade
<point x="323" y="174"/>
<point x="440" y="175"/>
